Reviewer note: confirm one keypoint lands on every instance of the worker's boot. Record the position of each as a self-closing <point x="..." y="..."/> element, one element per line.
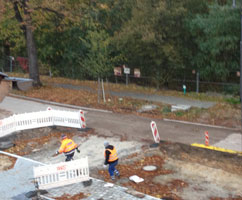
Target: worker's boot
<point x="113" y="178"/>
<point x="116" y="172"/>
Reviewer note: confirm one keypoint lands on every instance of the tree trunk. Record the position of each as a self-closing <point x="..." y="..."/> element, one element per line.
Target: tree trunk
<point x="32" y="57"/>
<point x="6" y="53"/>
<point x="31" y="47"/>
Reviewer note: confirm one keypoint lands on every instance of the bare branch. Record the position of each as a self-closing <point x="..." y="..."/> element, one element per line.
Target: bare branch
<point x="50" y="10"/>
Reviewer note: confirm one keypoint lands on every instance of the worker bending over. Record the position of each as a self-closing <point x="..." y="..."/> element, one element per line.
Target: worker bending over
<point x="68" y="147"/>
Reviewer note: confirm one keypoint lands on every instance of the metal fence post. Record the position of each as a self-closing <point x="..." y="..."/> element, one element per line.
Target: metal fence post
<point x="197" y="81"/>
<point x="127" y="79"/>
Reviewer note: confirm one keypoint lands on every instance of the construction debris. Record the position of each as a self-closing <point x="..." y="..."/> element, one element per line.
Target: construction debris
<point x="136" y="179"/>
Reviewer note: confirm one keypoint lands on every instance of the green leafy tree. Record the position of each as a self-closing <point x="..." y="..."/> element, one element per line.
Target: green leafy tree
<point x="31" y="15"/>
<point x="113" y="14"/>
<point x="97" y="62"/>
<point x="11" y="36"/>
<point x="217" y="37"/>
<point x="149" y="41"/>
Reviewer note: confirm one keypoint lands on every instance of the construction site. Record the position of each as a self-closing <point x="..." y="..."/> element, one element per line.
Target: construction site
<point x="170" y="169"/>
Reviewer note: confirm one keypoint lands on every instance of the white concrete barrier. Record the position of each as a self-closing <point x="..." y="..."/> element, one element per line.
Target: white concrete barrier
<point x="40" y="119"/>
<point x="60" y="174"/>
<point x="179" y="107"/>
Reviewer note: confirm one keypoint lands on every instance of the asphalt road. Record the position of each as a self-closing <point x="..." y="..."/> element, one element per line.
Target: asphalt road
<point x="132" y="127"/>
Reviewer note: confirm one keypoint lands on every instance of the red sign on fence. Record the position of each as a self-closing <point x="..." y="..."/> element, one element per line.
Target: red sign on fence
<point x="117" y="71"/>
<point x="23" y="63"/>
<point x="137" y="73"/>
<point x="63" y="167"/>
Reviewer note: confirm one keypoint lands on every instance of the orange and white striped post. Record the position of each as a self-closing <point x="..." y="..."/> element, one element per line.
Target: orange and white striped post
<point x="206" y="138"/>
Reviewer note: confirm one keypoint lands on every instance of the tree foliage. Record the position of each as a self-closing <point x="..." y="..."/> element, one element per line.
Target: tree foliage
<point x="87" y="38"/>
<point x="217" y="37"/>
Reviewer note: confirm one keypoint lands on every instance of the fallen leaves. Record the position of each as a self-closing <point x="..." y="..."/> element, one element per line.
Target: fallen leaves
<point x="74" y="197"/>
<point x="148" y="186"/>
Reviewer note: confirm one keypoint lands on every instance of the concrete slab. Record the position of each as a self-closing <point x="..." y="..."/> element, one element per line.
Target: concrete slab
<point x="146" y="108"/>
<point x="92" y="147"/>
<point x="232" y="142"/>
<point x="179" y="107"/>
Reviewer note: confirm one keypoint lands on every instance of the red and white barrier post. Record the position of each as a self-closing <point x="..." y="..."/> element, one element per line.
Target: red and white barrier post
<point x="82" y="118"/>
<point x="155" y="132"/>
<point x="206" y="138"/>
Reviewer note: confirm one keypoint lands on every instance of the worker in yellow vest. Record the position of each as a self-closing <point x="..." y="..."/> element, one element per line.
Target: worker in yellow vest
<point x="111" y="159"/>
<point x="68" y="147"/>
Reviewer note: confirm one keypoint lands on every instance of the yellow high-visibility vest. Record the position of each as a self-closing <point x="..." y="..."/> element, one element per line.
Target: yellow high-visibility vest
<point x="113" y="156"/>
<point x="67" y="145"/>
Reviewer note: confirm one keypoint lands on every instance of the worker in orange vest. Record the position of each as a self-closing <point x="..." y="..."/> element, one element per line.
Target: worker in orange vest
<point x="111" y="159"/>
<point x="67" y="147"/>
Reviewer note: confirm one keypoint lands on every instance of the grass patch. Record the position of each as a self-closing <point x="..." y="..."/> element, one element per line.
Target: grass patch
<point x="166" y="109"/>
<point x="179" y="113"/>
<point x="233" y="101"/>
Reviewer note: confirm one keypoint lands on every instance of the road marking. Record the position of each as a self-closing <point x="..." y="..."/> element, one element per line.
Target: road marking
<point x="216" y="148"/>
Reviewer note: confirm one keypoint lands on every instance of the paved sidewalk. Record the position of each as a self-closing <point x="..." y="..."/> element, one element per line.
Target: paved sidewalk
<point x="165" y="99"/>
<point x="17" y="181"/>
<point x="97" y="190"/>
<point x="155" y="98"/>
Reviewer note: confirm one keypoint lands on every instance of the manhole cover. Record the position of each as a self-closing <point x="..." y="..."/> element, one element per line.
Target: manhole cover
<point x="149" y="168"/>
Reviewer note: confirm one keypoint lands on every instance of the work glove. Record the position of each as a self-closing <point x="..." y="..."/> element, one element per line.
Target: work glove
<point x="57" y="152"/>
<point x="104" y="166"/>
<point x="78" y="151"/>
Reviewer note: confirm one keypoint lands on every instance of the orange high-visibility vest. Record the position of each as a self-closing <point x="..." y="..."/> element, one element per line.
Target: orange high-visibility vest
<point x="67" y="145"/>
<point x="113" y="156"/>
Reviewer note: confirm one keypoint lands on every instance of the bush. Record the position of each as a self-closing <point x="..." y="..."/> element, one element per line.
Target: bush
<point x="166" y="109"/>
<point x="179" y="113"/>
<point x="232" y="89"/>
<point x="233" y="101"/>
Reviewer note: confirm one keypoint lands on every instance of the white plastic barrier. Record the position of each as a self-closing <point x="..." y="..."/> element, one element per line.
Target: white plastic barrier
<point x="64" y="173"/>
<point x="39" y="119"/>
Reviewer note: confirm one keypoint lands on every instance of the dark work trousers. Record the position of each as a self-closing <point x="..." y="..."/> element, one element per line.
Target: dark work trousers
<point x="112" y="169"/>
<point x="69" y="157"/>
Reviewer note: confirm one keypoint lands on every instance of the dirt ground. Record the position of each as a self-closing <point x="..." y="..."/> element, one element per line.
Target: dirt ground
<point x="183" y="171"/>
